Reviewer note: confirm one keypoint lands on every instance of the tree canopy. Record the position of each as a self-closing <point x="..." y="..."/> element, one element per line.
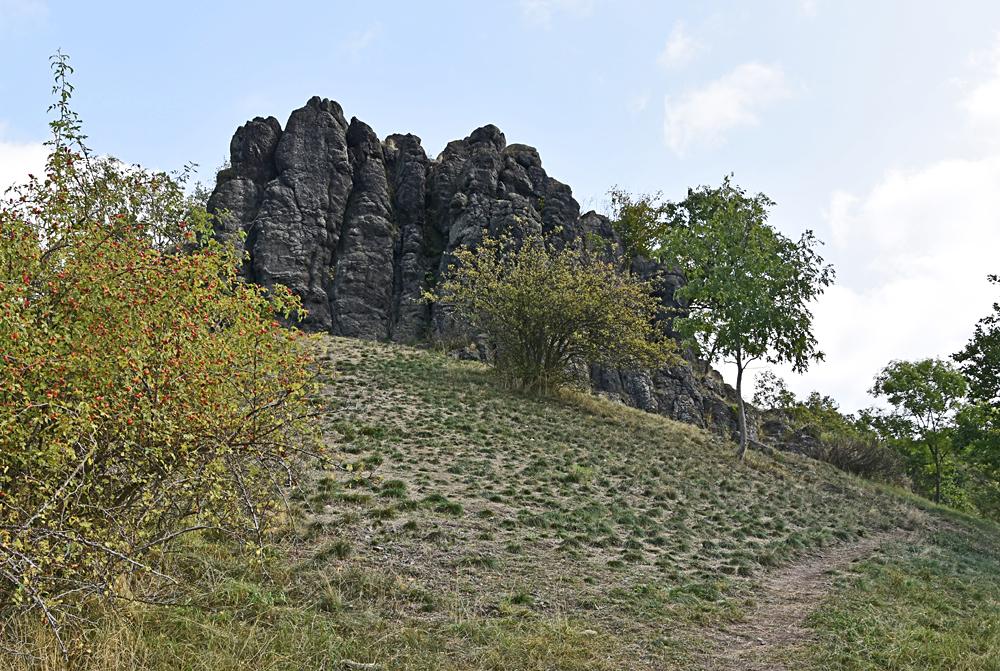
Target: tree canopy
<point x="980" y="358"/>
<point x="978" y="424"/>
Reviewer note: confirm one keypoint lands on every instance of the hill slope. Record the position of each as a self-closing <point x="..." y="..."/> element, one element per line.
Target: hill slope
<point x="465" y="526"/>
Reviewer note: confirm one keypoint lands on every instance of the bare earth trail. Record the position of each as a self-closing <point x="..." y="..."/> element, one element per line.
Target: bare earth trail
<point x="783" y="601"/>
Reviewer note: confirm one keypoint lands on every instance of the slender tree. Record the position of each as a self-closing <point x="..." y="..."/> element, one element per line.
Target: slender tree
<point x="925" y="396"/>
<point x="748" y="287"/>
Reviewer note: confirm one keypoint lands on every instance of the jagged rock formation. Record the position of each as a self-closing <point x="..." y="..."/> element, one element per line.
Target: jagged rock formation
<point x="359" y="227"/>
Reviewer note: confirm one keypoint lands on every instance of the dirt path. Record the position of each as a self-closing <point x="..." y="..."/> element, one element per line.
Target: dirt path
<point x="783" y="600"/>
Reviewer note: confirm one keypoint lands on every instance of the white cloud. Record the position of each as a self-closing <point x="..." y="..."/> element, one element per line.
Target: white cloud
<point x="15" y="10"/>
<point x="18" y="159"/>
<point x="704" y="116"/>
<point x="982" y="101"/>
<point x="541" y="12"/>
<point x="638" y="104"/>
<point x="916" y="250"/>
<point x="680" y="49"/>
<point x="356" y="44"/>
<point x="808" y="8"/>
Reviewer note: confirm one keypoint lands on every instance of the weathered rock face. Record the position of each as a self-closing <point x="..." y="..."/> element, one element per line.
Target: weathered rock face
<point x="359" y="227"/>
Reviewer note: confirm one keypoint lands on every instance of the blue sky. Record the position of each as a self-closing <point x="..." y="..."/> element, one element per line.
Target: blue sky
<point x="875" y="123"/>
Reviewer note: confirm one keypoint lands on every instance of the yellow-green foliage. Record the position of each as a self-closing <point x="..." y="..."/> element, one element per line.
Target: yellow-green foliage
<point x="547" y="312"/>
<point x="641" y="221"/>
<point x="144" y="388"/>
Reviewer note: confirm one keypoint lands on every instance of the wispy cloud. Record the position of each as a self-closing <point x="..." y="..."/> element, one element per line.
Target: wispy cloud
<point x="12" y="11"/>
<point x="808" y="8"/>
<point x="681" y="48"/>
<point x="638" y="103"/>
<point x="357" y="43"/>
<point x="541" y="12"/>
<point x="704" y="116"/>
<point x="917" y="246"/>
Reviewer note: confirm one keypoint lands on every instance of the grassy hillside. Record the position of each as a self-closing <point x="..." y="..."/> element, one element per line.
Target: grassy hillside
<point x="465" y="526"/>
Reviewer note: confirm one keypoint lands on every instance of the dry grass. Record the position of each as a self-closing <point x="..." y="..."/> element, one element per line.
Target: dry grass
<point x="467" y="526"/>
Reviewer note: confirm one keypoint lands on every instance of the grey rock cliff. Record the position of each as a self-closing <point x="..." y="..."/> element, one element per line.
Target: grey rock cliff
<point x="359" y="227"/>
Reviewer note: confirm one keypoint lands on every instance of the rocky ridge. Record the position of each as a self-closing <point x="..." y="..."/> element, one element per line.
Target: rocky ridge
<point x="359" y="227"/>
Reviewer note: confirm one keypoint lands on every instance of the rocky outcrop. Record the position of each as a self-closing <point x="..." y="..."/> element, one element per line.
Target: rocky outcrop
<point x="359" y="227"/>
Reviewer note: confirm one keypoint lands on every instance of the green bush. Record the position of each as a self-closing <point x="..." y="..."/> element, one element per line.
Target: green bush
<point x="547" y="313"/>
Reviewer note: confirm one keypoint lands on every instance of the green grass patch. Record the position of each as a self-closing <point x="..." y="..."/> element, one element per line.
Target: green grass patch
<point x="932" y="606"/>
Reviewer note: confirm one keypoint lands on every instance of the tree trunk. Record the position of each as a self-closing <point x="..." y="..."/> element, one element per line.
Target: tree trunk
<point x="937" y="474"/>
<point x="742" y="409"/>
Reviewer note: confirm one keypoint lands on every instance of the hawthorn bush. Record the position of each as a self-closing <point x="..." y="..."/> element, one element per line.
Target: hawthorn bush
<point x="549" y="312"/>
<point x="145" y="390"/>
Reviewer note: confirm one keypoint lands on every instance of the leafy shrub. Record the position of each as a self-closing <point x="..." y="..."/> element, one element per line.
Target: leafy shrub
<point x="145" y="390"/>
<point x="547" y="313"/>
<point x="865" y="457"/>
<point x="816" y="427"/>
<point x="772" y="393"/>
